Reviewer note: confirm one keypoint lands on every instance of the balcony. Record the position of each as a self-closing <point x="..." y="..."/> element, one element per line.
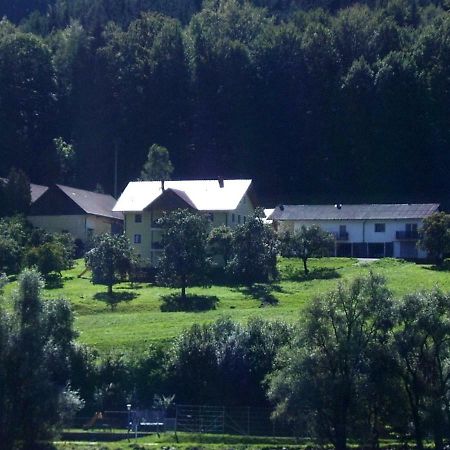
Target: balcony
<point x="407" y="235"/>
<point x="341" y="236"/>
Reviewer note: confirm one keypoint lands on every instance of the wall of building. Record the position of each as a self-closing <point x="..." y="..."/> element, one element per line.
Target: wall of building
<point x="78" y="226"/>
<point x="363" y="231"/>
<point x="244" y="210"/>
<point x="149" y="233"/>
<point x="75" y="225"/>
<point x="98" y="224"/>
<point x="133" y="228"/>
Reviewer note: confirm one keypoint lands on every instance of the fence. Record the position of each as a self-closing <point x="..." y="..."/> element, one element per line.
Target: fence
<point x="228" y="420"/>
<point x="186" y="418"/>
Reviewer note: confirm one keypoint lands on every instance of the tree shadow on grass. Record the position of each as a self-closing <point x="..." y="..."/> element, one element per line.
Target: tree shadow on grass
<point x="263" y="293"/>
<point x="131" y="285"/>
<point x="444" y="267"/>
<point x="54" y="281"/>
<point x="116" y="298"/>
<point x="192" y="303"/>
<point x="322" y="273"/>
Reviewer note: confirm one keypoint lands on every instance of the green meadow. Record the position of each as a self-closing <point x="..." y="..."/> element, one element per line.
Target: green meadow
<point x="138" y="320"/>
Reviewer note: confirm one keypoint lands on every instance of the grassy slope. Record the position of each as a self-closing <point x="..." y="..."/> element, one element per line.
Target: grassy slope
<point x="139" y="321"/>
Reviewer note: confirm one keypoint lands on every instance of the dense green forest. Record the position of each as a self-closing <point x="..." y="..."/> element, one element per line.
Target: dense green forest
<point x="316" y="100"/>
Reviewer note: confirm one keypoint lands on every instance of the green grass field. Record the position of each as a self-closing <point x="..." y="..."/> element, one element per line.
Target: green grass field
<point x="138" y="320"/>
<point x="185" y="441"/>
<point x="193" y="441"/>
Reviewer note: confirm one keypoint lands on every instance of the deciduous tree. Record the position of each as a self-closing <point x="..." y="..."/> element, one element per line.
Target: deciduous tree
<point x="323" y="375"/>
<point x="110" y="260"/>
<point x="435" y="235"/>
<point x="254" y="251"/>
<point x="308" y="242"/>
<point x="184" y="260"/>
<point x="158" y="165"/>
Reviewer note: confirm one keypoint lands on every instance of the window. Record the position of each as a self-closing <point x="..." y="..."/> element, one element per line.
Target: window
<point x="210" y="217"/>
<point x="245" y="219"/>
<point x="232" y="218"/>
<point x="239" y="218"/>
<point x="380" y="228"/>
<point x="138" y="218"/>
<point x="137" y="238"/>
<point x="411" y="227"/>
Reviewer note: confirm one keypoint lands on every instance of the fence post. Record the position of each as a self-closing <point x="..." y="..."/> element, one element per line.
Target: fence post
<point x="176" y="418"/>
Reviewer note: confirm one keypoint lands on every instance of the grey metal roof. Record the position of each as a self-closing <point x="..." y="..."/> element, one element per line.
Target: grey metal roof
<point x="354" y="212"/>
<point x="92" y="202"/>
<point x="36" y="191"/>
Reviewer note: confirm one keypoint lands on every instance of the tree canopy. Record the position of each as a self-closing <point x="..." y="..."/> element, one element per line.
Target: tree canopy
<point x="110" y="260"/>
<point x="317" y="101"/>
<point x="184" y="260"/>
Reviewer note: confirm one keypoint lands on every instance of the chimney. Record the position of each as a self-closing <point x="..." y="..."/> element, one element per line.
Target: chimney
<point x="338" y="205"/>
<point x="221" y="183"/>
<point x="162" y="185"/>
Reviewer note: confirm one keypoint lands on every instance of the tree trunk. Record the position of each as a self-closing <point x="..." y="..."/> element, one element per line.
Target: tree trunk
<point x="110" y="291"/>
<point x="305" y="266"/>
<point x="418" y="436"/>
<point x="438" y="428"/>
<point x="341" y="437"/>
<point x="183" y="289"/>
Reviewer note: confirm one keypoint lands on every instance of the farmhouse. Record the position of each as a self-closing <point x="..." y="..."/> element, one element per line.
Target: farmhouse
<point x="224" y="202"/>
<point x="82" y="213"/>
<point x="362" y="230"/>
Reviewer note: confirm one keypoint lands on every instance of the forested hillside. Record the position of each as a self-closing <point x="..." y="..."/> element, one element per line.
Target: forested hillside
<point x="316" y="100"/>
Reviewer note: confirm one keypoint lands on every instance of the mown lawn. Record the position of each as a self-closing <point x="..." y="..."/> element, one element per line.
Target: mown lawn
<point x="185" y="441"/>
<point x="193" y="441"/>
<point x="138" y="320"/>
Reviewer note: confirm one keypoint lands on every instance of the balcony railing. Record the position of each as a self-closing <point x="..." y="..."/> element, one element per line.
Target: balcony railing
<point x="341" y="236"/>
<point x="157" y="246"/>
<point x="407" y="235"/>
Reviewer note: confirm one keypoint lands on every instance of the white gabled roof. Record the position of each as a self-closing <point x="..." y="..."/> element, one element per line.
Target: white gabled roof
<point x="203" y="195"/>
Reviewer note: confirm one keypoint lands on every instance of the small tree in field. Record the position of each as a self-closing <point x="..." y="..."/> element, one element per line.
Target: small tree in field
<point x="110" y="260"/>
<point x="184" y="259"/>
<point x="158" y="165"/>
<point x="254" y="251"/>
<point x="435" y="236"/>
<point x="219" y="242"/>
<point x="48" y="257"/>
<point x="310" y="242"/>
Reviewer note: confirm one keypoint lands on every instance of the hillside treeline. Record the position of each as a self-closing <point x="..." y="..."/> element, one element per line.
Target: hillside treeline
<point x="315" y="100"/>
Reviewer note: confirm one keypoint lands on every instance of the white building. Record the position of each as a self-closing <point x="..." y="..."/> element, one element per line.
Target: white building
<point x="224" y="202"/>
<point x="362" y="230"/>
